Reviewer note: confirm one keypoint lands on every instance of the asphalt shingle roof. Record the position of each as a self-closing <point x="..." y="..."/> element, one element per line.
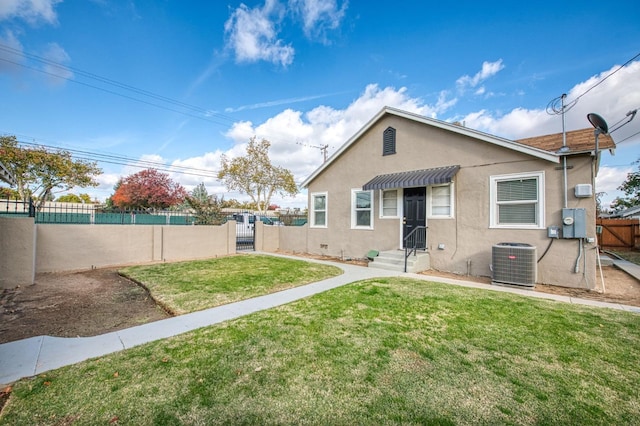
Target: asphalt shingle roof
<point x="577" y="140"/>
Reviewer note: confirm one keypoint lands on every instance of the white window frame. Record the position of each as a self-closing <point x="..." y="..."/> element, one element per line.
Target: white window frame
<point x="312" y="210"/>
<point x="398" y="199"/>
<point x="354" y="221"/>
<point x="540" y="210"/>
<point x="430" y="214"/>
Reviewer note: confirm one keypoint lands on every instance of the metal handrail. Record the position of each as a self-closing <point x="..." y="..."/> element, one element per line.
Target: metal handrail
<point x="413" y="240"/>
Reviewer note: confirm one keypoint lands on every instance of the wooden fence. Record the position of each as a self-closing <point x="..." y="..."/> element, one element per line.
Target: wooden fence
<point x="618" y="233"/>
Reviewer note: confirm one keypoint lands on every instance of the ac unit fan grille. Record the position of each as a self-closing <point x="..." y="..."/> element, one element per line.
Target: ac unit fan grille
<point x="514" y="264"/>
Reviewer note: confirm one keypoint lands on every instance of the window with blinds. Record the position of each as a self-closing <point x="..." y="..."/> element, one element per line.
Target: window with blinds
<point x="440" y="201"/>
<point x="389" y="203"/>
<point x="389" y="141"/>
<point x="517" y="200"/>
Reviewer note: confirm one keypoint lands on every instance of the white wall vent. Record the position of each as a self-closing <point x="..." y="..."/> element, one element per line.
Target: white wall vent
<point x="583" y="190"/>
<point x="514" y="264"/>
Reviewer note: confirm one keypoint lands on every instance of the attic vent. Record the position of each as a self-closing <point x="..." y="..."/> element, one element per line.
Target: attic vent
<point x="389" y="141"/>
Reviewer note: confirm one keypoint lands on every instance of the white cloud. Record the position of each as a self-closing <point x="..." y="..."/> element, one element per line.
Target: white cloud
<point x="252" y="35"/>
<point x="489" y="69"/>
<point x="56" y="70"/>
<point x="612" y="100"/>
<point x="32" y="11"/>
<point x="297" y="135"/>
<point x="319" y="16"/>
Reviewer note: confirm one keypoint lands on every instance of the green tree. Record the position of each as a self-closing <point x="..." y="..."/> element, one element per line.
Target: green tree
<point x="207" y="208"/>
<point x="631" y="189"/>
<point x="73" y="198"/>
<point x="8" y="193"/>
<point x="254" y="175"/>
<point x="38" y="171"/>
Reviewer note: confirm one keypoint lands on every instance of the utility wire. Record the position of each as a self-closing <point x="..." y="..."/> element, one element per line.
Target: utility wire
<point x="628" y="137"/>
<point x="202" y="113"/>
<point x="110" y="81"/>
<point x="198" y="112"/>
<point x="131" y="162"/>
<point x="99" y="156"/>
<point x="200" y="117"/>
<point x="552" y="106"/>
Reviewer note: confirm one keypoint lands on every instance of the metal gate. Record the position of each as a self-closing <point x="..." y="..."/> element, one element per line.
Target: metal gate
<point x="245" y="231"/>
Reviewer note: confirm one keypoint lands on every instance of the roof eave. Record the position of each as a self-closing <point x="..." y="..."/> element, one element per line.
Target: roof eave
<point x="506" y="143"/>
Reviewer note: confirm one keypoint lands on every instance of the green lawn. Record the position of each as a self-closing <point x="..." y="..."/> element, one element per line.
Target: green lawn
<point x="385" y="351"/>
<point x="191" y="286"/>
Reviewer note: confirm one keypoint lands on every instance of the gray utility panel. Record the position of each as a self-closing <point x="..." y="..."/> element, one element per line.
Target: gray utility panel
<point x="574" y="223"/>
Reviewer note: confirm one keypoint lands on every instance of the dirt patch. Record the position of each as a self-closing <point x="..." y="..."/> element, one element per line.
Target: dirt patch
<point x="620" y="287"/>
<point x="75" y="304"/>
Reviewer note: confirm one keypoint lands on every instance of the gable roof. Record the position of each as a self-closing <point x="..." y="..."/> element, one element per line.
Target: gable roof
<point x="465" y="131"/>
<point x="578" y="141"/>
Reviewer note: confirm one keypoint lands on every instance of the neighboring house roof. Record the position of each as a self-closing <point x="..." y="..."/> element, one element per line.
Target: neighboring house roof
<point x="578" y="141"/>
<point x="630" y="212"/>
<point x="6" y="176"/>
<point x="485" y="137"/>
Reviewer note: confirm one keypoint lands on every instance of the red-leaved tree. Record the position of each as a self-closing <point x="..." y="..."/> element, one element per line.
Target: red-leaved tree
<point x="148" y="189"/>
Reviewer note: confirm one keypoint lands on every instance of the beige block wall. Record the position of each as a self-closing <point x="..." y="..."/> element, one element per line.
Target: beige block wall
<point x="17" y="251"/>
<point x="81" y="247"/>
<point x="468" y="237"/>
<point x="267" y="237"/>
<point x="294" y="238"/>
<point x="195" y="242"/>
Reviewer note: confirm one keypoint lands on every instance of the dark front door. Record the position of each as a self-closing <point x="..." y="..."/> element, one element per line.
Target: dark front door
<point x="415" y="208"/>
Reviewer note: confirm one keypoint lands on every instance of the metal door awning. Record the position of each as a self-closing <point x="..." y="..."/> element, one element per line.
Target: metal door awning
<point x="435" y="176"/>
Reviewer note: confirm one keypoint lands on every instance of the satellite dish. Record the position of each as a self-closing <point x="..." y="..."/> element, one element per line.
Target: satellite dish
<point x="598" y="122"/>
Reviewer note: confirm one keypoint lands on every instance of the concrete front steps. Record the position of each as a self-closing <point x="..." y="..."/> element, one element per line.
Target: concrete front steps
<point x="393" y="260"/>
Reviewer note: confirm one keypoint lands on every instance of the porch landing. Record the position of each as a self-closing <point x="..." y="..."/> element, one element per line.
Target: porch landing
<point x="393" y="260"/>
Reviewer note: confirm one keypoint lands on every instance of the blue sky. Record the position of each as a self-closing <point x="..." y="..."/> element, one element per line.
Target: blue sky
<point x="180" y="83"/>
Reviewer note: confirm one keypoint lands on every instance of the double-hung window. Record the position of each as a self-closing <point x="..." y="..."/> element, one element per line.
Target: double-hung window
<point x="319" y="210"/>
<point x="361" y="209"/>
<point x="389" y="203"/>
<point x="517" y="201"/>
<point x="440" y="201"/>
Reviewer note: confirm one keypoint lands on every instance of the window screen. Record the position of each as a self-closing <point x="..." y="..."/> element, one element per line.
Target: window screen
<point x="517" y="201"/>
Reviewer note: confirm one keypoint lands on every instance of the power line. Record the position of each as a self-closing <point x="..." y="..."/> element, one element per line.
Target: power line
<point x="101" y="79"/>
<point x="552" y="106"/>
<point x="628" y="137"/>
<point x="128" y="161"/>
<point x="203" y="113"/>
<point x="115" y="157"/>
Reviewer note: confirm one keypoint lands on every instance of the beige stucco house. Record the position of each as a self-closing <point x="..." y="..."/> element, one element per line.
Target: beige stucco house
<point x="471" y="191"/>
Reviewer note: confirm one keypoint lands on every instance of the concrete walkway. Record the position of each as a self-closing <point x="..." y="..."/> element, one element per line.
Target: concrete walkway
<point x="36" y="355"/>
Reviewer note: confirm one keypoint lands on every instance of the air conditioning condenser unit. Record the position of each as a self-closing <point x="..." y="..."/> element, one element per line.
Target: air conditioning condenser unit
<point x="514" y="264"/>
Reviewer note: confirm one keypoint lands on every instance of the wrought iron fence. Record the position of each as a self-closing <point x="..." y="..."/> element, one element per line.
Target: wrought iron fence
<point x="96" y="214"/>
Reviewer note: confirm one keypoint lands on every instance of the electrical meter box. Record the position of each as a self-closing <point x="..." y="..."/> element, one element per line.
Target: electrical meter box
<point x="574" y="223"/>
